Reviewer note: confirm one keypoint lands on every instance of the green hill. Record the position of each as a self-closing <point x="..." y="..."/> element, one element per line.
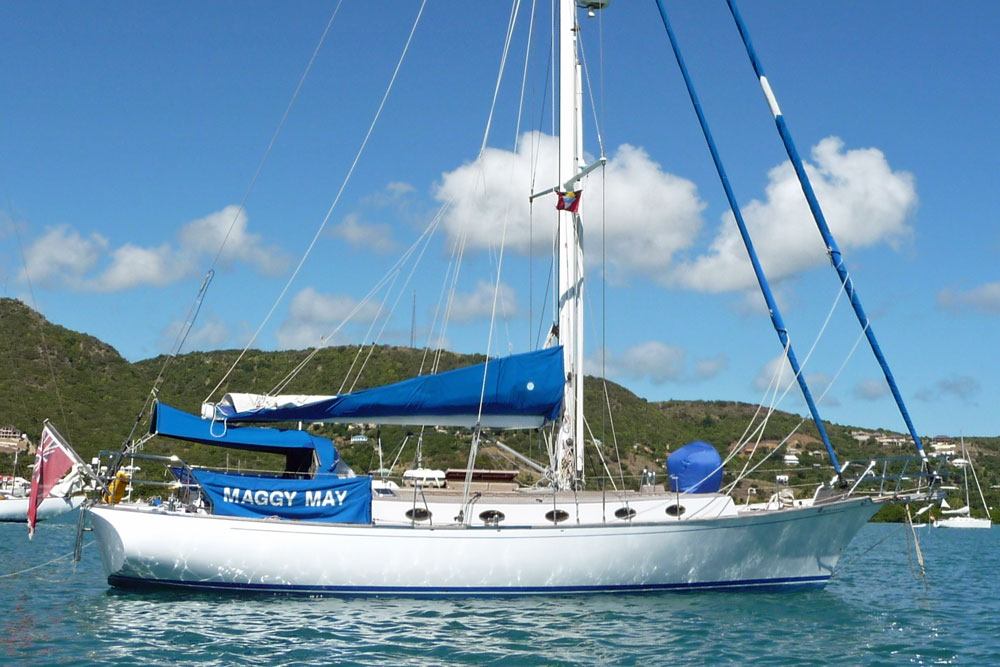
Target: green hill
<point x="93" y="396"/>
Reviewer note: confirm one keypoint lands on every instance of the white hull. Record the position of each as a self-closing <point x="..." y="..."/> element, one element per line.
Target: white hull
<point x="16" y="509"/>
<point x="962" y="522"/>
<point x="791" y="548"/>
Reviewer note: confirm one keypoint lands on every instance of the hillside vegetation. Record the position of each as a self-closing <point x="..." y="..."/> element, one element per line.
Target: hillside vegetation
<point x="94" y="395"/>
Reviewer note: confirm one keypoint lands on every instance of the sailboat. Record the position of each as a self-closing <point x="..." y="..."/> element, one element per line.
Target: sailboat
<point x="962" y="517"/>
<point x="15" y="492"/>
<point x="318" y="528"/>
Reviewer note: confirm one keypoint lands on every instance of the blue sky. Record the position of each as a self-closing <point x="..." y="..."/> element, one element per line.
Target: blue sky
<point x="130" y="132"/>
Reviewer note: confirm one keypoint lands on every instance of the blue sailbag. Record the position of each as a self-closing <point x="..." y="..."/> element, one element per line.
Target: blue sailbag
<point x="519" y="391"/>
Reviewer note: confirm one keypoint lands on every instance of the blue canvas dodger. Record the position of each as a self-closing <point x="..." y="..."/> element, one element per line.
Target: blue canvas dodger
<point x="331" y="499"/>
<point x="174" y="423"/>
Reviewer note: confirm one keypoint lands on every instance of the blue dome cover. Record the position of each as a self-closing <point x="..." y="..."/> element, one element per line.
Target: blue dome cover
<point x="691" y="464"/>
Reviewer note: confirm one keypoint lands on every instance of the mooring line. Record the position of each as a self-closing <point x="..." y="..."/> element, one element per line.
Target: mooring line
<point x="35" y="567"/>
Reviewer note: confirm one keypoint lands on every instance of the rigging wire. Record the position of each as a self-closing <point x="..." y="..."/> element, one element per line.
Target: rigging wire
<point x="274" y="137"/>
<point x="41" y="330"/>
<point x="329" y="213"/>
<point x="503" y="239"/>
<point x="424" y="238"/>
<point x="195" y="308"/>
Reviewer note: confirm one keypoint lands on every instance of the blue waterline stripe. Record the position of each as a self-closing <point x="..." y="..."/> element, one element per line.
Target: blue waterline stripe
<point x="120" y="581"/>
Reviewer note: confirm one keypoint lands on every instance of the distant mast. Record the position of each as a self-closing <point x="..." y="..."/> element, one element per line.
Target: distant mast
<point x="569" y="442"/>
<point x="413" y="321"/>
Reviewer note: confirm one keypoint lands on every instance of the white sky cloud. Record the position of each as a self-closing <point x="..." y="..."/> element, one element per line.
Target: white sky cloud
<point x="650" y="214"/>
<point x="206" y="235"/>
<point x="132" y="266"/>
<point x="818" y="383"/>
<point x="709" y="368"/>
<point x="871" y="389"/>
<point x="766" y="375"/>
<point x="365" y="236"/>
<point x="962" y="387"/>
<point x="313" y="315"/>
<point x="657" y="362"/>
<point x="985" y="298"/>
<point x="63" y="256"/>
<point x="864" y="201"/>
<point x="479" y="303"/>
<point x="211" y="335"/>
<point x="653" y="360"/>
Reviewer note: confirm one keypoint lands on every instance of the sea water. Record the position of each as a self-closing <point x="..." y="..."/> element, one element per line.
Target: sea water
<point x="877" y="610"/>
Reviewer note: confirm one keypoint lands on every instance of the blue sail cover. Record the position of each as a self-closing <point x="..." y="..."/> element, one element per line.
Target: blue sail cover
<point x="174" y="423"/>
<point x="522" y="391"/>
<point x="695" y="468"/>
<point x="326" y="498"/>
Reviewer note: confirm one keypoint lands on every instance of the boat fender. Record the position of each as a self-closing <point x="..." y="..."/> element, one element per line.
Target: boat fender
<point x="116" y="490"/>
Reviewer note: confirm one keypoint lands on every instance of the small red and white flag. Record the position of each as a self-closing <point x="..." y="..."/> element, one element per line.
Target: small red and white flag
<point x="569" y="200"/>
<point x="53" y="459"/>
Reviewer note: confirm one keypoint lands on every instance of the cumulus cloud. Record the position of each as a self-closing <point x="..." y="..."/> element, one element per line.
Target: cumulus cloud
<point x="479" y="303"/>
<point x="865" y="202"/>
<point x="132" y="266"/>
<point x="63" y="256"/>
<point x="871" y="389"/>
<point x="959" y="386"/>
<point x="984" y="298"/>
<point x="211" y="335"/>
<point x="710" y="367"/>
<point x="656" y="362"/>
<point x="205" y="236"/>
<point x="652" y="360"/>
<point x="366" y="236"/>
<point x="779" y="371"/>
<point x="776" y="371"/>
<point x="313" y="316"/>
<point x="650" y="214"/>
<point x="653" y="217"/>
<point x="391" y="202"/>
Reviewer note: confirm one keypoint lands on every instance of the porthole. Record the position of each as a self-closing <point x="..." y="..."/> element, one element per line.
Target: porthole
<point x="675" y="510"/>
<point x="625" y="513"/>
<point x="418" y="514"/>
<point x="491" y="517"/>
<point x="557" y="516"/>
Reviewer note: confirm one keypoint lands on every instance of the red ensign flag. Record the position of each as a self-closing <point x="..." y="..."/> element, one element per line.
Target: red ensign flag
<point x="52" y="461"/>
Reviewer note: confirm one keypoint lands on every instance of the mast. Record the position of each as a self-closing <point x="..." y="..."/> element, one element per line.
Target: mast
<point x="569" y="442"/>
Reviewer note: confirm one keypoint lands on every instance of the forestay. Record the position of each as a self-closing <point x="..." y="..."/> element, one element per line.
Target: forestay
<point x="520" y="391"/>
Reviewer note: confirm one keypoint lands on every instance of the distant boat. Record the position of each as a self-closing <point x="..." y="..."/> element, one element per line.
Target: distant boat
<point x="14" y="492"/>
<point x="962" y="518"/>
